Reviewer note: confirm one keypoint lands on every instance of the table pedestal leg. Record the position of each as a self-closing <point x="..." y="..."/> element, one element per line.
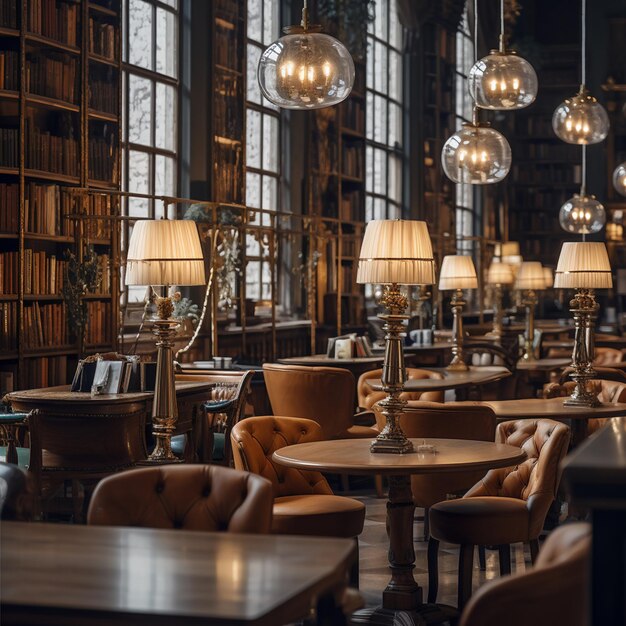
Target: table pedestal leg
<point x="402" y="599"/>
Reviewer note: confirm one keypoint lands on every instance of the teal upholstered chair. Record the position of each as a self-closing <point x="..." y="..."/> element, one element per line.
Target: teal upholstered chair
<point x="10" y="453"/>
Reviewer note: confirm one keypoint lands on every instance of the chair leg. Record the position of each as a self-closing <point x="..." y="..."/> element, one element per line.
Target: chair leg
<point x="345" y="483"/>
<point x="433" y="569"/>
<point x="354" y="570"/>
<point x="378" y="483"/>
<point x="466" y="566"/>
<point x="482" y="558"/>
<point x="534" y="549"/>
<point x="505" y="559"/>
<point x="426" y="523"/>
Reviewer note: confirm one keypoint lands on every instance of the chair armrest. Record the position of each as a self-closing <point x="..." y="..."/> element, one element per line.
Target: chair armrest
<point x="364" y="418"/>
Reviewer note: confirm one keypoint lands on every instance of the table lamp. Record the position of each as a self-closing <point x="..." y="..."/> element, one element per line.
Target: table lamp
<point x="510" y="254"/>
<point x="584" y="266"/>
<point x="548" y="277"/>
<point x="498" y="274"/>
<point x="393" y="253"/>
<point x="457" y="273"/>
<point x="164" y="253"/>
<point x="529" y="280"/>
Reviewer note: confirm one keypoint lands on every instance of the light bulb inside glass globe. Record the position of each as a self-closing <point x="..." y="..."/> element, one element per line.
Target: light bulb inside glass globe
<point x="476" y="154"/>
<point x="581" y="119"/>
<point x="306" y="70"/>
<point x="619" y="179"/>
<point x="582" y="214"/>
<point x="502" y="80"/>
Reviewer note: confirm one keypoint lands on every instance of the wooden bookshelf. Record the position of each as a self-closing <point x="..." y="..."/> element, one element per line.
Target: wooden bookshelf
<point x="59" y="131"/>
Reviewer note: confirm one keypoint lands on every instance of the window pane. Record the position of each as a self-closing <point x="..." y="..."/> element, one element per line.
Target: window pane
<point x="139" y="110"/>
<point x="395" y="27"/>
<point x="253" y="287"/>
<point x="369" y="76"/>
<point x="138" y="182"/>
<point x="270" y="22"/>
<point x="253" y="190"/>
<point x="140" y="33"/>
<point x="380" y="24"/>
<point x="164" y="176"/>
<point x="253" y="132"/>
<point x="255" y="20"/>
<point x="395" y="125"/>
<point x="380" y="172"/>
<point x="253" y="89"/>
<point x="395" y="76"/>
<point x="270" y="189"/>
<point x="166" y="117"/>
<point x="270" y="143"/>
<point x="369" y="169"/>
<point x="369" y="115"/>
<point x="167" y="43"/>
<point x="395" y="176"/>
<point x="382" y="68"/>
<point x="380" y="119"/>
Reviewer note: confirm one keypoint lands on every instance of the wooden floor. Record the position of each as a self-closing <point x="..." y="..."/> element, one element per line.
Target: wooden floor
<point x="374" y="572"/>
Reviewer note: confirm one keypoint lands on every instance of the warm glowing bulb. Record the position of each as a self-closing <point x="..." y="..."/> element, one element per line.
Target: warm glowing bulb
<point x="619" y="179"/>
<point x="581" y="119"/>
<point x="582" y="214"/>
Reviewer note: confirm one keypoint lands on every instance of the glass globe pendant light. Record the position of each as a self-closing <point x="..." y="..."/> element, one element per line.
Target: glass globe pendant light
<point x="476" y="154"/>
<point x="619" y="179"/>
<point x="306" y="69"/>
<point x="502" y="80"/>
<point x="581" y="119"/>
<point x="582" y="213"/>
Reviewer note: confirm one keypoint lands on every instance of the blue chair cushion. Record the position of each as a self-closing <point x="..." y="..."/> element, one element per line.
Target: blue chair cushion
<point x="178" y="446"/>
<point x="23" y="456"/>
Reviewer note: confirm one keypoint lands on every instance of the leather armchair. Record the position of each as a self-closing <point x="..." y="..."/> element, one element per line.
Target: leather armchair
<point x="191" y="497"/>
<point x="554" y="591"/>
<point x="325" y="395"/>
<point x="304" y="503"/>
<point x="367" y="396"/>
<point x="507" y="506"/>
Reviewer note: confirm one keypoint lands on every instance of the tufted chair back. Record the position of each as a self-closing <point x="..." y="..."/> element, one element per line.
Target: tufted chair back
<point x="607" y="356"/>
<point x="255" y="439"/>
<point x="322" y="394"/>
<point x="191" y="497"/>
<point x="608" y="391"/>
<point x="368" y="397"/>
<point x="545" y="443"/>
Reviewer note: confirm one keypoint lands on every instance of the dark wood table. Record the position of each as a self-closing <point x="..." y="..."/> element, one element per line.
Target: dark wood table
<point x="402" y="599"/>
<point x="77" y="575"/>
<point x="357" y="366"/>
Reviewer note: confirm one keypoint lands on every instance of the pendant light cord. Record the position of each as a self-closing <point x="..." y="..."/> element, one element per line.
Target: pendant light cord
<point x="502" y="47"/>
<point x="583" y="47"/>
<point x="475" y="31"/>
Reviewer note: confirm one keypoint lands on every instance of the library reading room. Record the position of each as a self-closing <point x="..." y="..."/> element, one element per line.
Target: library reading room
<point x="315" y="306"/>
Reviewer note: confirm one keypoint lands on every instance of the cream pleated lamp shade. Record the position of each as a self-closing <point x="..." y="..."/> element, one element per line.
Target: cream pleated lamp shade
<point x="548" y="277"/>
<point x="457" y="272"/>
<point x="530" y="276"/>
<point x="396" y="251"/>
<point x="165" y="252"/>
<point x="583" y="265"/>
<point x="500" y="274"/>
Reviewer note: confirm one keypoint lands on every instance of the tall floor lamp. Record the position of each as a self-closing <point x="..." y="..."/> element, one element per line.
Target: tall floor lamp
<point x="499" y="274"/>
<point x="584" y="266"/>
<point x="394" y="253"/>
<point x="164" y="253"/>
<point x="530" y="279"/>
<point x="457" y="273"/>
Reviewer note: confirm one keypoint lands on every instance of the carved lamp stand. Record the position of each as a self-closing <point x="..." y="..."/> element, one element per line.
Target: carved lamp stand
<point x="583" y="266"/>
<point x="164" y="252"/>
<point x="393" y="253"/>
<point x="457" y="273"/>
<point x="530" y="278"/>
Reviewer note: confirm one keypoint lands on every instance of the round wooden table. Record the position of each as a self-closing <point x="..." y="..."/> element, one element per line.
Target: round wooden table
<point x="552" y="408"/>
<point x="476" y="375"/>
<point x="543" y="365"/>
<point x="352" y="456"/>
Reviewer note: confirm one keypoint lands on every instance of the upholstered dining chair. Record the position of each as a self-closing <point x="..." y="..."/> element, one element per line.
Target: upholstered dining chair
<point x="507" y="506"/>
<point x="367" y="396"/>
<point x="191" y="497"/>
<point x="16" y="501"/>
<point x="439" y="420"/>
<point x="325" y="395"/>
<point x="554" y="591"/>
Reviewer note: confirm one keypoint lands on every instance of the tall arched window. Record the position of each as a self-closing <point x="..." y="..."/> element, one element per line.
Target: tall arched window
<point x="384" y="128"/>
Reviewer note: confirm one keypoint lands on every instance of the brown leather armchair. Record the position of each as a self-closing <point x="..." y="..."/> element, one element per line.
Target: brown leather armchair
<point x="438" y="420"/>
<point x="554" y="591"/>
<point x="304" y="503"/>
<point x="367" y="396"/>
<point x="325" y="395"/>
<point x="507" y="506"/>
<point x="191" y="497"/>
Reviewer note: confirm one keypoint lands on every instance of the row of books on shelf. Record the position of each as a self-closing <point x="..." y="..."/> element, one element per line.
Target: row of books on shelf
<point x="43" y="273"/>
<point x="9" y="147"/>
<point x="439" y="40"/>
<point x="351" y="205"/>
<point x="103" y="38"/>
<point x="46" y="371"/>
<point x="8" y="13"/>
<point x="353" y="115"/>
<point x="104" y="271"/>
<point x="529" y="173"/>
<point x="439" y="93"/>
<point x="352" y="160"/>
<point x="559" y="152"/>
<point x="50" y="152"/>
<point x="8" y="325"/>
<point x="45" y="325"/>
<point x="99" y="205"/>
<point x="349" y="346"/>
<point x="232" y="8"/>
<point x="226" y="109"/>
<point x="533" y="221"/>
<point x="9" y="263"/>
<point x="55" y="20"/>
<point x="53" y="77"/>
<point x="99" y="326"/>
<point x="103" y="93"/>
<point x="228" y="174"/>
<point x="44" y="208"/>
<point x="9" y="207"/>
<point x="529" y="199"/>
<point x="9" y="70"/>
<point x="103" y="162"/>
<point x="227" y="48"/>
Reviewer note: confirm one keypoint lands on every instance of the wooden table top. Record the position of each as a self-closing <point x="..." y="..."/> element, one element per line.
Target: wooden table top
<point x="62" y="394"/>
<point x="539" y="407"/>
<point x="323" y="360"/>
<point x="543" y="365"/>
<point x="56" y="573"/>
<point x="452" y="379"/>
<point x="353" y="456"/>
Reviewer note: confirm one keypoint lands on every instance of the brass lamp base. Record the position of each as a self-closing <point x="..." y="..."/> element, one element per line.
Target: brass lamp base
<point x="392" y="439"/>
<point x="529" y="302"/>
<point x="164" y="408"/>
<point x="456" y="304"/>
